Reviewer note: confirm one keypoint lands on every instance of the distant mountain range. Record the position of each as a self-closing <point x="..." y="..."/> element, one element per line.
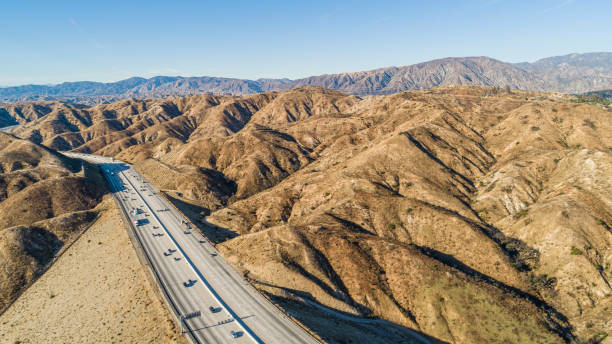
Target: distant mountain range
<point x="574" y="73"/>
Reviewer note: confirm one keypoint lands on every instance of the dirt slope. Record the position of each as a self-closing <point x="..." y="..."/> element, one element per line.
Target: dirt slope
<point x="469" y="214"/>
<point x="96" y="292"/>
<point x="46" y="199"/>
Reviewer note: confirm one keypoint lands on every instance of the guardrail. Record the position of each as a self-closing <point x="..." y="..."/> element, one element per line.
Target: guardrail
<point x="146" y="261"/>
<point x="209" y="287"/>
<point x="286" y="314"/>
<point x="281" y="311"/>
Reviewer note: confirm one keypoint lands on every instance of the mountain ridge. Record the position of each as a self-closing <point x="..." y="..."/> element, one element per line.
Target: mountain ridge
<point x="483" y="209"/>
<point x="572" y="73"/>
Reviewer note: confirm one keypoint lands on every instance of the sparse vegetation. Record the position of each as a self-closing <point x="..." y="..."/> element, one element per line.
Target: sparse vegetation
<point x="575" y="251"/>
<point x="589" y="123"/>
<point x="53" y="201"/>
<point x="367" y="241"/>
<point x="542" y="281"/>
<point x="592" y="99"/>
<point x="507" y="189"/>
<point x="521" y="213"/>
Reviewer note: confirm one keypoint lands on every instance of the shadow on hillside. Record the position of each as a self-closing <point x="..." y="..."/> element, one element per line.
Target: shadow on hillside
<point x="339" y="327"/>
<point x="196" y="215"/>
<point x="118" y="184"/>
<point x="557" y="322"/>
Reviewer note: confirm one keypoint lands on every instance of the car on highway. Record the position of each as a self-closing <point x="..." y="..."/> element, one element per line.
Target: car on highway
<point x="213" y="254"/>
<point x="189" y="283"/>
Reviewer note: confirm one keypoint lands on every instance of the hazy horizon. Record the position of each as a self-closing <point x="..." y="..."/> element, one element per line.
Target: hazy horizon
<point x="254" y="79"/>
<point x="51" y="43"/>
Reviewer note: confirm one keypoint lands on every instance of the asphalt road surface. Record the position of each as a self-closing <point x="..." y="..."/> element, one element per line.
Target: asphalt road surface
<point x="9" y="128"/>
<point x="193" y="275"/>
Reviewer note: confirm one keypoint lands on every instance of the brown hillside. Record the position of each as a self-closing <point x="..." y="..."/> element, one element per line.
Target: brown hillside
<point x="45" y="199"/>
<point x="96" y="291"/>
<point x="470" y="214"/>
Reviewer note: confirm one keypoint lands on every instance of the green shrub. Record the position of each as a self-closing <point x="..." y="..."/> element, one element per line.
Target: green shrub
<point x="575" y="251"/>
<point x="535" y="128"/>
<point x="521" y="213"/>
<point x="589" y="123"/>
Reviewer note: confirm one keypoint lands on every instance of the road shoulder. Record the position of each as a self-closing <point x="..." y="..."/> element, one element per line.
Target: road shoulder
<point x="96" y="292"/>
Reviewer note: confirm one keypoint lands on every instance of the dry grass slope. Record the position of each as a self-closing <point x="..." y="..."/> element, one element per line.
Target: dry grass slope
<point x="470" y="214"/>
<point x="96" y="292"/>
<point x="45" y="201"/>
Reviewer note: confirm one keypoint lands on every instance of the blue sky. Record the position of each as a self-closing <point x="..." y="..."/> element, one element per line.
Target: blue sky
<point x="55" y="41"/>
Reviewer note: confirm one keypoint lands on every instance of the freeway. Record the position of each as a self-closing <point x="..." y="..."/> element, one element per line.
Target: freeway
<point x="193" y="277"/>
<point x="9" y="128"/>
